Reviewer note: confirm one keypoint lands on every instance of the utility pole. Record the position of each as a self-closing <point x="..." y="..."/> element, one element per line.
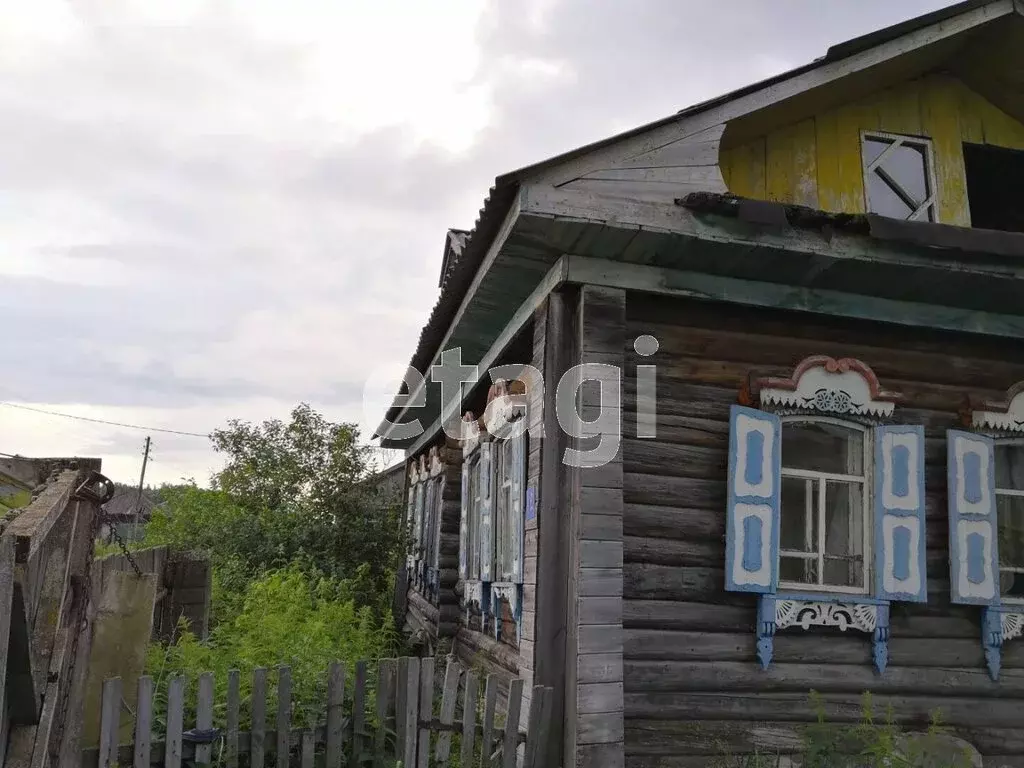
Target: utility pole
<point x="142" y="479"/>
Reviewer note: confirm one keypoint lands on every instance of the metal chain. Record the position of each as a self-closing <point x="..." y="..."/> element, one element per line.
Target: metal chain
<point x="124" y="550"/>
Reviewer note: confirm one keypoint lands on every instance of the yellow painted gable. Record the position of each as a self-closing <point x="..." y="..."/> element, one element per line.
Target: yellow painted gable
<point x="817" y="161"/>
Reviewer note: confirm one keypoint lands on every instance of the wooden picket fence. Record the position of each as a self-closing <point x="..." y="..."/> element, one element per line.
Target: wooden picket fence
<point x="404" y="729"/>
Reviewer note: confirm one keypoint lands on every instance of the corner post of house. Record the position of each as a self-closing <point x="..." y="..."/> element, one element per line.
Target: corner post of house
<point x="546" y="537"/>
<point x="595" y="729"/>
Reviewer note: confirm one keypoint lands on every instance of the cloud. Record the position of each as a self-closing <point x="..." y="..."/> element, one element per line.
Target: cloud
<point x="220" y="210"/>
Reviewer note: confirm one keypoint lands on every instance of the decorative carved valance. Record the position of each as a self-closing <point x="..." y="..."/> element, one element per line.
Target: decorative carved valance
<point x="1003" y="416"/>
<point x="473" y="432"/>
<point x="777" y="612"/>
<point x="845" y="387"/>
<point x="506" y="402"/>
<point x="418" y="470"/>
<point x="436" y="460"/>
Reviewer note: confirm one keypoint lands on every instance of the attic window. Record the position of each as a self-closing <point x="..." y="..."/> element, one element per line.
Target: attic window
<point x="995" y="187"/>
<point x="898" y="180"/>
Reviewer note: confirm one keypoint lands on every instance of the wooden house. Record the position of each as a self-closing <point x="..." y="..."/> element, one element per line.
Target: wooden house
<point x="796" y="456"/>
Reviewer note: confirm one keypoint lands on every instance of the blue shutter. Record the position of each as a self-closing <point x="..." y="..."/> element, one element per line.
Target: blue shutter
<point x="464" y="523"/>
<point x="900" y="572"/>
<point x="752" y="518"/>
<point x="486" y="529"/>
<point x="516" y="507"/>
<point x="973" y="553"/>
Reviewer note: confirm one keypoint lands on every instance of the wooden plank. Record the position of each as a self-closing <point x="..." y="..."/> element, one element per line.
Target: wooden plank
<point x="449" y="698"/>
<point x="257" y="730"/>
<point x="539" y="724"/>
<point x="510" y="737"/>
<point x="487" y="734"/>
<point x="359" y="713"/>
<point x="175" y="722"/>
<point x="469" y="719"/>
<point x="110" y="721"/>
<point x="940" y="121"/>
<point x="335" y="715"/>
<point x="839" y="708"/>
<point x="284" y="715"/>
<point x="426" y="709"/>
<point x="412" y="710"/>
<point x="143" y="722"/>
<point x="660" y="280"/>
<point x="231" y="718"/>
<point x="401" y="692"/>
<point x="825" y="678"/>
<point x="308" y="748"/>
<point x="204" y="715"/>
<point x="385" y="697"/>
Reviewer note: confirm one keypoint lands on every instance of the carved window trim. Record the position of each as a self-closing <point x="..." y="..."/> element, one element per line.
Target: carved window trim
<point x="846" y="392"/>
<point x="1003" y="422"/>
<point x="846" y="388"/>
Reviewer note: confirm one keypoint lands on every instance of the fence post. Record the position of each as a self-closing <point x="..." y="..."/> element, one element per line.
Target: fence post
<point x="231" y="737"/>
<point x="487" y="738"/>
<point x="401" y="691"/>
<point x="308" y="748"/>
<point x="259" y="717"/>
<point x="411" y="714"/>
<point x="143" y="722"/>
<point x="385" y="684"/>
<point x="335" y="714"/>
<point x="426" y="709"/>
<point x="110" y="721"/>
<point x="510" y="743"/>
<point x="358" y="713"/>
<point x="449" y="698"/>
<point x="175" y="722"/>
<point x="284" y="715"/>
<point x="468" y="720"/>
<point x="204" y="715"/>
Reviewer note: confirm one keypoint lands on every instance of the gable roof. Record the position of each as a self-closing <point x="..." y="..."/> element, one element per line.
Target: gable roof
<point x="943" y="27"/>
<point x="126" y="503"/>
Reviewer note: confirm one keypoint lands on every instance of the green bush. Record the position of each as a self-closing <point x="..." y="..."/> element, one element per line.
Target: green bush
<point x="283" y="618"/>
<point x="290" y="494"/>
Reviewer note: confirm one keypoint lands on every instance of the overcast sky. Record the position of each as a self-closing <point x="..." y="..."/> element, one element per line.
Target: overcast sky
<point x="216" y="210"/>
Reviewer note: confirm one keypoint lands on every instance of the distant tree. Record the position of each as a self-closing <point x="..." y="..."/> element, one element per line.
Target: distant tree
<point x="290" y="494"/>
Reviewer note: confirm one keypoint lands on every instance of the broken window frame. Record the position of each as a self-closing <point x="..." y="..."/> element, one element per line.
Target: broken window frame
<point x="926" y="210"/>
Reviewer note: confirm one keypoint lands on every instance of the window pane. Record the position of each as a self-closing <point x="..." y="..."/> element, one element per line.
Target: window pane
<point x="907" y="164"/>
<point x="1010" y="511"/>
<point x="884" y="201"/>
<point x="799" y="570"/>
<point x="844" y="534"/>
<point x="823" y="448"/>
<point x="873" y="148"/>
<point x="798" y="532"/>
<point x="1010" y="467"/>
<point x="473" y="560"/>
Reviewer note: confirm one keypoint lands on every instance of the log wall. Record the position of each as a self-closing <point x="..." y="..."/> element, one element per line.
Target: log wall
<point x="693" y="689"/>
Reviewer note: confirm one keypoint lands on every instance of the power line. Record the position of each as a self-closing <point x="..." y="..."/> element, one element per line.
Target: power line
<point x="103" y="421"/>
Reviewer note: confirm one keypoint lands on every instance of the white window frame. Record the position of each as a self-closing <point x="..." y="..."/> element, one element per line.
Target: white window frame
<point x="820" y="481"/>
<point x="435" y="483"/>
<point x="473" y="519"/>
<point x="1013" y="493"/>
<point x="928" y="209"/>
<point x="419" y="514"/>
<point x="503" y="502"/>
